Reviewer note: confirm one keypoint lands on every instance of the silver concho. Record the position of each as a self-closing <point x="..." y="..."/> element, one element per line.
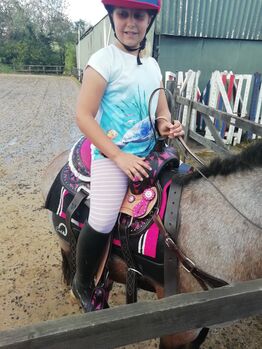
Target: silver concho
<point x="149" y="194"/>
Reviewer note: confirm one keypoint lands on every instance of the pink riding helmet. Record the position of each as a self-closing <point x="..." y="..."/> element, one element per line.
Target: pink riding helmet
<point x="151" y="5"/>
<point x="138" y="4"/>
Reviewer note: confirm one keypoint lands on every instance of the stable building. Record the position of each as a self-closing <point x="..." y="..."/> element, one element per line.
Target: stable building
<point x="203" y="35"/>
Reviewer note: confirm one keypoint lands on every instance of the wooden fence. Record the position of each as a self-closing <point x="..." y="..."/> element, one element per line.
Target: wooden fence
<point x="133" y="323"/>
<point x="208" y="114"/>
<point x="40" y="69"/>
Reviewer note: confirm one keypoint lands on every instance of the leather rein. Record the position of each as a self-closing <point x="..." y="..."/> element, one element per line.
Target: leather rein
<point x="204" y="279"/>
<point x="187" y="149"/>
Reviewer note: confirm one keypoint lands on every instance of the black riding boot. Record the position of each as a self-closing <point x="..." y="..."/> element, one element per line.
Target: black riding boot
<point x="89" y="250"/>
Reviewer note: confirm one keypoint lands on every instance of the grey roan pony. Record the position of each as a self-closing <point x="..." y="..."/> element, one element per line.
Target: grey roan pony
<point x="223" y="240"/>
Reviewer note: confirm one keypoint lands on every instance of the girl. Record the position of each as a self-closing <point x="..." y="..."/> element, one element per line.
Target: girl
<point x="112" y="111"/>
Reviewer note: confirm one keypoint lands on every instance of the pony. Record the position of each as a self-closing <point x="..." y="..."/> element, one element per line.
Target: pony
<point x="220" y="229"/>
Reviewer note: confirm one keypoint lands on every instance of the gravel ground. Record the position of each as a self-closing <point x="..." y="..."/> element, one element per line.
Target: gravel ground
<point x="37" y="124"/>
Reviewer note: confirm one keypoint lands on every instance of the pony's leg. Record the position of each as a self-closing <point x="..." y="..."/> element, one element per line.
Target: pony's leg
<point x="117" y="269"/>
<point x="172" y="342"/>
<point x="185" y="340"/>
<point x="66" y="267"/>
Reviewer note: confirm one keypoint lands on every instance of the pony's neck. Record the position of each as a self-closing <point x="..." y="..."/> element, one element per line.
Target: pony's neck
<point x="213" y="233"/>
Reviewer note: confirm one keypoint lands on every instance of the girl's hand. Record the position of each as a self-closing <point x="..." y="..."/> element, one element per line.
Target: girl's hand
<point x="133" y="166"/>
<point x="167" y="129"/>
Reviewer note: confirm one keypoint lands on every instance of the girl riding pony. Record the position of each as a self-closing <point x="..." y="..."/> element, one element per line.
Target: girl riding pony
<point x="112" y="111"/>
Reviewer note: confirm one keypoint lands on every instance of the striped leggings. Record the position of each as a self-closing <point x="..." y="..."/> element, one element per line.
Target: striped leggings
<point x="108" y="188"/>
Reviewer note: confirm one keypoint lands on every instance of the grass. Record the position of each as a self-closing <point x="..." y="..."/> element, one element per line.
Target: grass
<point x="5" y="68"/>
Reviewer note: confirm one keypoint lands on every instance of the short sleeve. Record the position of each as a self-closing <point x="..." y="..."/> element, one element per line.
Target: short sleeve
<point x="101" y="62"/>
<point x="157" y="68"/>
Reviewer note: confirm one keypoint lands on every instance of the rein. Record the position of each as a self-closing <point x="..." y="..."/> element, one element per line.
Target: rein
<point x="187" y="149"/>
<point x="202" y="277"/>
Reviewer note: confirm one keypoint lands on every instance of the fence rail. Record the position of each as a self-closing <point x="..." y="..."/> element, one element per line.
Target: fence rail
<point x="133" y="323"/>
<point x="40" y="69"/>
<point x="207" y="112"/>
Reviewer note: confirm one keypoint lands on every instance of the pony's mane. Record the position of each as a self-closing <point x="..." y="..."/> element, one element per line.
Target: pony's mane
<point x="248" y="159"/>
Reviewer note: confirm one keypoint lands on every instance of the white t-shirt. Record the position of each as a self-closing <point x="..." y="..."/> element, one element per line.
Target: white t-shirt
<point x="123" y="112"/>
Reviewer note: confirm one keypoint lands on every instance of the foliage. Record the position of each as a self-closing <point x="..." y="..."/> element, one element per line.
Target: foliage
<point x="37" y="32"/>
<point x="70" y="57"/>
<point x="4" y="68"/>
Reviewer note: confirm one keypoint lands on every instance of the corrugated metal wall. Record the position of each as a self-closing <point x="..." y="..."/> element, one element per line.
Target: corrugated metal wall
<point x="100" y="36"/>
<point x="189" y="31"/>
<point x="225" y="19"/>
<point x="208" y="55"/>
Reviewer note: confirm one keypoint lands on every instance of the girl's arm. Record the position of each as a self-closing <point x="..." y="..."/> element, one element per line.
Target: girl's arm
<point x="163" y="119"/>
<point x="91" y="93"/>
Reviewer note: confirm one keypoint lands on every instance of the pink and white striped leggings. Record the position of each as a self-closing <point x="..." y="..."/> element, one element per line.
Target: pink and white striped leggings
<point x="108" y="188"/>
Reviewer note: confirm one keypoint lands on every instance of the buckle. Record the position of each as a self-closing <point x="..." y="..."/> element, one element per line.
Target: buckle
<point x="189" y="265"/>
<point x="169" y="242"/>
<point x="84" y="190"/>
<point x="135" y="271"/>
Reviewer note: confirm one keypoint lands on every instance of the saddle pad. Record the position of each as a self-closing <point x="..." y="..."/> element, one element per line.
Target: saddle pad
<point x="140" y="205"/>
<point x="80" y="159"/>
<point x="71" y="182"/>
<point x="59" y="198"/>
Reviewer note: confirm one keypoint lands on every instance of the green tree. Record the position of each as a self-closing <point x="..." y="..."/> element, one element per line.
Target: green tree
<point x="37" y="32"/>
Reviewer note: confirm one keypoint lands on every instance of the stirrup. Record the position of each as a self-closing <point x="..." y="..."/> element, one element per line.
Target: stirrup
<point x="84" y="295"/>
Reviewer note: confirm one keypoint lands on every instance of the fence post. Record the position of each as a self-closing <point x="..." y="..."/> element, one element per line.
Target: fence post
<point x="171" y="86"/>
<point x="188" y="120"/>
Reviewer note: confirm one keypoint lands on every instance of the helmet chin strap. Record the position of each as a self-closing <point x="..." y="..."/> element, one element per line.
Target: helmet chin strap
<point x="142" y="43"/>
<point x="130" y="49"/>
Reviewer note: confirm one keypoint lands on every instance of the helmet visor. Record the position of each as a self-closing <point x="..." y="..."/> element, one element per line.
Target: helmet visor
<point x="137" y="4"/>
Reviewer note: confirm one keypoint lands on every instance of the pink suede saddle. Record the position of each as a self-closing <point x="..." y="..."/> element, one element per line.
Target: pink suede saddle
<point x="141" y="196"/>
<point x="161" y="158"/>
<point x="137" y="209"/>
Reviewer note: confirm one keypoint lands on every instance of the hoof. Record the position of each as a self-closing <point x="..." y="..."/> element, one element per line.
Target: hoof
<point x="74" y="300"/>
